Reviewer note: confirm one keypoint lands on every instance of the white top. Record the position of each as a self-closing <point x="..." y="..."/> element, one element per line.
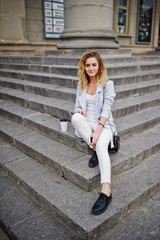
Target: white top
<point x="91" y="104"/>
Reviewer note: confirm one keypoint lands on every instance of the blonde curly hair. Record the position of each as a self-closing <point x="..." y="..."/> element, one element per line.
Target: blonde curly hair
<point x="102" y="77"/>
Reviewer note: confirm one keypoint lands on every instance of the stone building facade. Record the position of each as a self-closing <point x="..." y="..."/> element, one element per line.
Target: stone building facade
<point x="105" y="24"/>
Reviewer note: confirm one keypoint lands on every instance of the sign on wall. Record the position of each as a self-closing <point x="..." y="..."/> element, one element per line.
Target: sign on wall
<point x="53" y="11"/>
<point x="144" y="21"/>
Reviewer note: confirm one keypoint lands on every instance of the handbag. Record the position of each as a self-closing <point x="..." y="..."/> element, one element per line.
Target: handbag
<point x="116" y="138"/>
<point x="116" y="143"/>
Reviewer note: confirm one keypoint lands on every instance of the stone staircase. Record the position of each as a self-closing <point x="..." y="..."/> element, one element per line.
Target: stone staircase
<point x="51" y="166"/>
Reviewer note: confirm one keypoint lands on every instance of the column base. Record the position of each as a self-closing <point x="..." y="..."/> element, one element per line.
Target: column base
<point x="78" y="52"/>
<point x="88" y="43"/>
<point x="88" y="39"/>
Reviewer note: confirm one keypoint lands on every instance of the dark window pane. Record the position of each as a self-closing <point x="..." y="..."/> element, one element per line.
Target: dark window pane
<point x="122" y="20"/>
<point x="144" y="23"/>
<point x="123" y="3"/>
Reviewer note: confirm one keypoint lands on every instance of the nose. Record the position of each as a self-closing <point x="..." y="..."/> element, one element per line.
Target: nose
<point x="91" y="67"/>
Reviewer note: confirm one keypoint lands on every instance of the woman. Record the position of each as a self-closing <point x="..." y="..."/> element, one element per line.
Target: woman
<point x="93" y="119"/>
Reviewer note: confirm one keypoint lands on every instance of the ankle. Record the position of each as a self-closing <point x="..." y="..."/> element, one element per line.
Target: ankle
<point x="106" y="189"/>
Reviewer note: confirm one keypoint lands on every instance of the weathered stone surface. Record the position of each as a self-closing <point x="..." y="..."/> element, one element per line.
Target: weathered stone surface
<point x="142" y="224"/>
<point x="2" y="142"/>
<point x="138" y="122"/>
<point x="2" y="119"/>
<point x="135" y="77"/>
<point x="79" y="173"/>
<point x="74" y="164"/>
<point x="8" y="131"/>
<point x="23" y="218"/>
<point x="6" y="186"/>
<point x="48" y="90"/>
<point x="49" y="126"/>
<point x="129" y="190"/>
<point x="12" y="214"/>
<point x="69" y="94"/>
<point x="73" y="58"/>
<point x="51" y="153"/>
<point x="41" y="226"/>
<point x="135" y="168"/>
<point x="14" y="112"/>
<point x="54" y="107"/>
<point x="60" y="108"/>
<point x="8" y="154"/>
<point x="71" y="81"/>
<point x="12" y="59"/>
<point x="136" y="90"/>
<point x="67" y="201"/>
<point x="135" y="104"/>
<point x="70" y="70"/>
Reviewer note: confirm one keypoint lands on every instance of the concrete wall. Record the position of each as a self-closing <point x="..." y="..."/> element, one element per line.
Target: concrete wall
<point x="21" y="28"/>
<point x="34" y="20"/>
<point x="12" y="20"/>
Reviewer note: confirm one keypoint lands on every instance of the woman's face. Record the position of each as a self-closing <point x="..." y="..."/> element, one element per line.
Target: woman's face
<point x="91" y="67"/>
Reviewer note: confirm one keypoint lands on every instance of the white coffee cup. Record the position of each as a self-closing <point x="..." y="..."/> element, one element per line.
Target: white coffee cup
<point x="64" y="124"/>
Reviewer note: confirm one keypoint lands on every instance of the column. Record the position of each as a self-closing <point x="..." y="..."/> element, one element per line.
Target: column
<point x="88" y="24"/>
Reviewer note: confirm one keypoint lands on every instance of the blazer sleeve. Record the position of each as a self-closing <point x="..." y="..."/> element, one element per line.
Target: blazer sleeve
<point x="108" y="100"/>
<point x="77" y="104"/>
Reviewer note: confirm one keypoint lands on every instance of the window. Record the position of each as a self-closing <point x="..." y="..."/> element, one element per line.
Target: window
<point x="122" y="16"/>
<point x="144" y="21"/>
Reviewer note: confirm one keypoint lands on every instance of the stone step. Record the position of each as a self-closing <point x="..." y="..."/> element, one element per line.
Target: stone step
<point x="73" y="164"/>
<point x="63" y="109"/>
<point x="23" y="218"/>
<point x="73" y="60"/>
<point x="131" y="90"/>
<point x="71" y="205"/>
<point x="124" y="107"/>
<point x="135" y="78"/>
<point x="69" y="94"/>
<point x="54" y="107"/>
<point x="44" y="89"/>
<point x="70" y="81"/>
<point x="72" y="70"/>
<point x="57" y="79"/>
<point x="142" y="224"/>
<point x="14" y="200"/>
<point x="50" y="126"/>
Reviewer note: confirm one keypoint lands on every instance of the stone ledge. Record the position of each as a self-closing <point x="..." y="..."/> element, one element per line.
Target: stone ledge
<point x="72" y="205"/>
<point x="21" y="217"/>
<point x="70" y="163"/>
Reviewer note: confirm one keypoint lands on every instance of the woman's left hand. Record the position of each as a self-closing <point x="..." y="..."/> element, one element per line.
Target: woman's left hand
<point x="95" y="136"/>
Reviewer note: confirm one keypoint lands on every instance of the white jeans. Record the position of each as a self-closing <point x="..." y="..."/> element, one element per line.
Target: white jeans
<point x="84" y="126"/>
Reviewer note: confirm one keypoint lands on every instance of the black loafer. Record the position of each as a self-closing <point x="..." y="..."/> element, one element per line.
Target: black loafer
<point x="101" y="204"/>
<point x="93" y="162"/>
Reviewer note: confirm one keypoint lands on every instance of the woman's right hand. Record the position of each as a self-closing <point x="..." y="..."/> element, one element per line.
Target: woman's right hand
<point x="83" y="112"/>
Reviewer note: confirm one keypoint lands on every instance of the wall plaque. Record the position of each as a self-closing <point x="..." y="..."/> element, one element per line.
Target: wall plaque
<point x="53" y="12"/>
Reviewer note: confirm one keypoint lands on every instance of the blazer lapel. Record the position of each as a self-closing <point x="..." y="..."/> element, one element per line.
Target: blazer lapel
<point x="99" y="89"/>
<point x="82" y="99"/>
<point x="99" y="99"/>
